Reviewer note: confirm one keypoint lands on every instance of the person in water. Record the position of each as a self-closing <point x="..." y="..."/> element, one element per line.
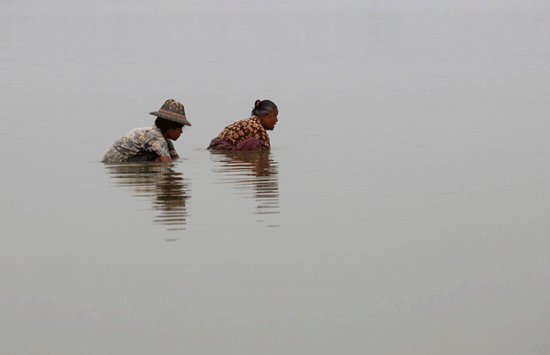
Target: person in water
<point x="250" y="133"/>
<point x="153" y="143"/>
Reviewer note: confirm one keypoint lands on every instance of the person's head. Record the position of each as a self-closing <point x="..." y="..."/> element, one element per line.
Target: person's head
<point x="169" y="129"/>
<point x="171" y="119"/>
<point x="267" y="112"/>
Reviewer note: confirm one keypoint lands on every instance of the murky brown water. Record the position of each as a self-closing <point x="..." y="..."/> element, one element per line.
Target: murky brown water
<point x="403" y="208"/>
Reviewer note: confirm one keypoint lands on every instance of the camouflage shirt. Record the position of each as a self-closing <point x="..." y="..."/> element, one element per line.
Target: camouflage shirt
<point x="241" y="130"/>
<point x="147" y="143"/>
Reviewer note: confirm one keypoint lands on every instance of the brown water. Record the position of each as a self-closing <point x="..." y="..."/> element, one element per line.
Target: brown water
<point x="403" y="208"/>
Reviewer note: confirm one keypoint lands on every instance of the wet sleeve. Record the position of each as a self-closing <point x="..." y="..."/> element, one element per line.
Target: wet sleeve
<point x="157" y="145"/>
<point x="260" y="133"/>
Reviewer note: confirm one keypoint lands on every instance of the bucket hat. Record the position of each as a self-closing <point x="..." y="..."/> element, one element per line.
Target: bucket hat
<point x="173" y="111"/>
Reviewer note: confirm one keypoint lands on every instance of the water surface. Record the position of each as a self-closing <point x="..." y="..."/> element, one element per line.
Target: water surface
<point x="402" y="209"/>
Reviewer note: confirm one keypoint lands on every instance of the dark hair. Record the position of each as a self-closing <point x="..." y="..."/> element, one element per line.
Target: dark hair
<point x="263" y="107"/>
<point x="164" y="124"/>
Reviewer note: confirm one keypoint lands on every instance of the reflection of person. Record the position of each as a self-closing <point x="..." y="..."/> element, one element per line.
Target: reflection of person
<point x="152" y="143"/>
<point x="167" y="187"/>
<point x="250" y="133"/>
<point x="253" y="173"/>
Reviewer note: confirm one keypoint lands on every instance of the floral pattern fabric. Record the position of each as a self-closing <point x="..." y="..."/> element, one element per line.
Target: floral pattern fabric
<point x="242" y="130"/>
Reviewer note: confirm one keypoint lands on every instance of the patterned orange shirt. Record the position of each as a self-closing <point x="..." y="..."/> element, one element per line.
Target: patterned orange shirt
<point x="241" y="130"/>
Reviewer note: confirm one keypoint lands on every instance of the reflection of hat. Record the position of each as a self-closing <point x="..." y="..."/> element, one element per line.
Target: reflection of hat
<point x="173" y="111"/>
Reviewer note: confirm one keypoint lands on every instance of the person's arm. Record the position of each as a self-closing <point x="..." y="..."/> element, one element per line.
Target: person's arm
<point x="164" y="159"/>
<point x="159" y="145"/>
<point x="172" y="149"/>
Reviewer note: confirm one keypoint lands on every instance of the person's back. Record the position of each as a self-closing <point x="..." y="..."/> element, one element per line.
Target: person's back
<point x="249" y="133"/>
<point x="140" y="144"/>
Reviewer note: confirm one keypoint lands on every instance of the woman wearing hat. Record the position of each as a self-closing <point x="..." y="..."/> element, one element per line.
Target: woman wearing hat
<point x="152" y="143"/>
<point x="250" y="133"/>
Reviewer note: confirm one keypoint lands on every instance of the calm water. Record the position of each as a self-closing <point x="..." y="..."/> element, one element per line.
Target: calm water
<point x="403" y="208"/>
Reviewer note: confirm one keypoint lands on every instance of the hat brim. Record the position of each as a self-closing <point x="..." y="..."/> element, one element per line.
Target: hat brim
<point x="169" y="117"/>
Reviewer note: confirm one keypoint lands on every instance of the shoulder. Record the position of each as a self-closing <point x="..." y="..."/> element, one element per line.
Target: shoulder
<point x="138" y="131"/>
<point x="151" y="132"/>
<point x="148" y="137"/>
<point x="252" y="121"/>
<point x="248" y="120"/>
